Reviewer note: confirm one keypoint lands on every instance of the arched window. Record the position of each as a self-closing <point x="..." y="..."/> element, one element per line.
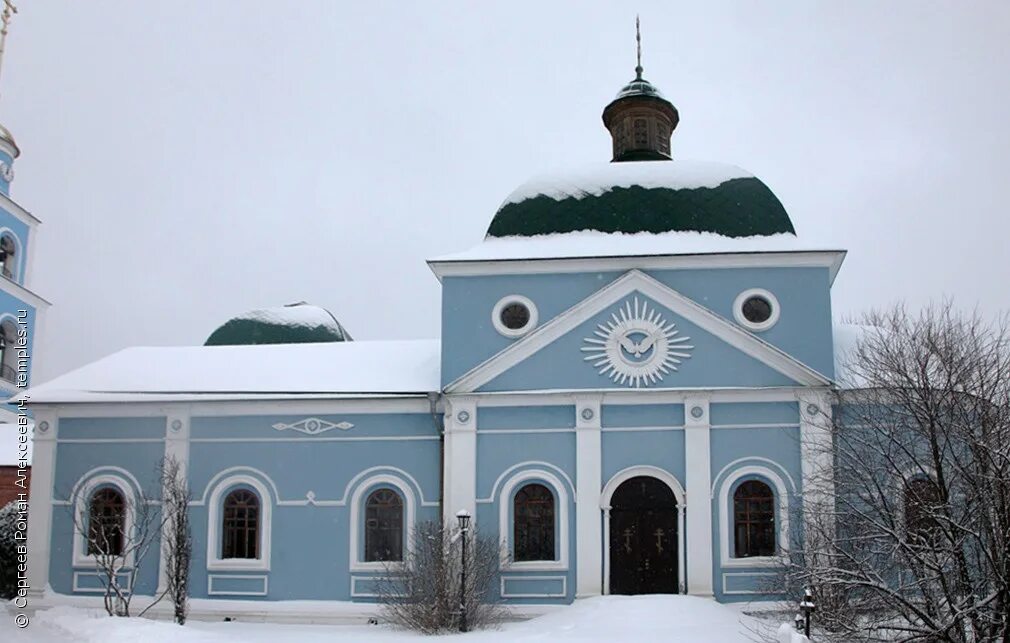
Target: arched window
<point x="922" y="500"/>
<point x="533" y="518"/>
<point x="8" y="255"/>
<point x="241" y="525"/>
<point x="106" y="522"/>
<point x="753" y="520"/>
<point x="8" y="350"/>
<point x="383" y="526"/>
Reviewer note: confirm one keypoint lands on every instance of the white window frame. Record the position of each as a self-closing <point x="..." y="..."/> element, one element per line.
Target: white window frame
<point x="763" y="294"/>
<point x="506" y="517"/>
<point x="357" y="526"/>
<point x="727" y="518"/>
<point x="215" y="517"/>
<point x="513" y="333"/>
<point x="82" y="500"/>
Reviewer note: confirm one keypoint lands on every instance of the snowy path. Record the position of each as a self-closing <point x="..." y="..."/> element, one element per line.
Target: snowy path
<point x="671" y="619"/>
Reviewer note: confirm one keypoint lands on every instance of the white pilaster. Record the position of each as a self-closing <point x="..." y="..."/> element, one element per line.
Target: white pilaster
<point x="698" y="454"/>
<point x="816" y="459"/>
<point x="588" y="484"/>
<point x="40" y="501"/>
<point x="176" y="448"/>
<point x="460" y="459"/>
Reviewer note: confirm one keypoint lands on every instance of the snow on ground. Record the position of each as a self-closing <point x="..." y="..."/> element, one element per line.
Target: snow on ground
<point x="671" y="619"/>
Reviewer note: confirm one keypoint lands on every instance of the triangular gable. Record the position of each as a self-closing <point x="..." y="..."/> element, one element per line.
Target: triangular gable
<point x="632" y="282"/>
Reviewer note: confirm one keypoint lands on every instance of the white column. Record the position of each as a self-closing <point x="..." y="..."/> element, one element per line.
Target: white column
<point x="460" y="459"/>
<point x="177" y="448"/>
<point x="697" y="449"/>
<point x="40" y="501"/>
<point x="816" y="458"/>
<point x="588" y="484"/>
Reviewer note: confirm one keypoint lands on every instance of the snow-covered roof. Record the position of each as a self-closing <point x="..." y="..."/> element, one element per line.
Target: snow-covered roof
<point x="337" y="369"/>
<point x="847" y="338"/>
<point x="591" y="243"/>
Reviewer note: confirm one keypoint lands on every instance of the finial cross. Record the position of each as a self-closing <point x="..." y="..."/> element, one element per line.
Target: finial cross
<point x="638" y="41"/>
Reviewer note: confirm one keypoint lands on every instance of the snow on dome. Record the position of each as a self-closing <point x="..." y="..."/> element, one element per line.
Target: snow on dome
<point x="644" y="196"/>
<point x="291" y="324"/>
<point x="594" y="180"/>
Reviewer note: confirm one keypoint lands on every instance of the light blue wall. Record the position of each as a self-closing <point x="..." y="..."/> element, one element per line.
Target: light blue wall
<point x="310" y="557"/>
<point x="561" y="365"/>
<point x="774" y="446"/>
<point x="804" y="329"/>
<point x="510" y="442"/>
<point x="83" y="453"/>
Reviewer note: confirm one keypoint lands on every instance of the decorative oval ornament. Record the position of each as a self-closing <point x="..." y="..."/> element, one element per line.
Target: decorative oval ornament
<point x="6" y="172"/>
<point x="636" y="346"/>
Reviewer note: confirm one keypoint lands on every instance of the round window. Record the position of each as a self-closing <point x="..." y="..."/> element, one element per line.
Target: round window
<point x="514" y="316"/>
<point x="756" y="309"/>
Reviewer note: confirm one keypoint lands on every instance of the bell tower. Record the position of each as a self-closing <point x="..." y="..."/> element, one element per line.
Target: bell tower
<point x="640" y="119"/>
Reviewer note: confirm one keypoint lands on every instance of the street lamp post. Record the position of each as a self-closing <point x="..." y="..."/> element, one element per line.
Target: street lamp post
<point x="807" y="607"/>
<point x="463" y="516"/>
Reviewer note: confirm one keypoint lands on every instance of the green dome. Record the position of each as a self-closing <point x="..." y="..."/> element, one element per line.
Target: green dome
<point x="298" y="323"/>
<point x="631" y="197"/>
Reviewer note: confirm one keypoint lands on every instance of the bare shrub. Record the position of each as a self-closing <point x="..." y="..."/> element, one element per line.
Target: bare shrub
<point x="423" y="594"/>
<point x="177" y="542"/>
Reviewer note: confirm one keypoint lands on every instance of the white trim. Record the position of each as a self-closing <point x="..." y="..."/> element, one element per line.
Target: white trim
<point x="767" y="462"/>
<point x="761" y="293"/>
<point x="357" y="512"/>
<point x="80" y="500"/>
<point x="556" y="470"/>
<point x="354" y="588"/>
<point x="521" y="431"/>
<point x="639" y="429"/>
<point x="560" y="563"/>
<point x="636" y="281"/>
<point x="698" y="474"/>
<point x="18" y="291"/>
<point x="76" y="588"/>
<point x="830" y="259"/>
<point x="346" y="438"/>
<point x="743" y="591"/>
<point x="670" y="481"/>
<point x="212" y="577"/>
<point x="563" y="579"/>
<point x="589" y="482"/>
<point x="214" y="517"/>
<point x="613" y="396"/>
<point x="512" y="333"/>
<point x="781" y="517"/>
<point x="19" y="212"/>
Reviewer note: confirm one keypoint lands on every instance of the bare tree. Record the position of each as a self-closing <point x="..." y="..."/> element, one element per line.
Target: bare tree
<point x="119" y="531"/>
<point x="177" y="539"/>
<point x="915" y="543"/>
<point x="423" y="593"/>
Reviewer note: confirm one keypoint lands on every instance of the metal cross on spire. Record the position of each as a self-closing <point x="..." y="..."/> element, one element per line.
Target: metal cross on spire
<point x="5" y="18"/>
<point x="637" y="37"/>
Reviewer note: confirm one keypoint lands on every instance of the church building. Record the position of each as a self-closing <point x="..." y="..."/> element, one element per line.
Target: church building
<point x="633" y="368"/>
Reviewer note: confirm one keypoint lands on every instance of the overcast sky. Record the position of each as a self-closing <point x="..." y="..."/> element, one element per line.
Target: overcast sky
<point x="193" y="160"/>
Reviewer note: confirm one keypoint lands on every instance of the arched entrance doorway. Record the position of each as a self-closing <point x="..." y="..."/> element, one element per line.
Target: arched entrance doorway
<point x="643" y="538"/>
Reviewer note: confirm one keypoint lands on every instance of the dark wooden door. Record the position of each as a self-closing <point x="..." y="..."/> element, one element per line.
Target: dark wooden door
<point x="643" y="538"/>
